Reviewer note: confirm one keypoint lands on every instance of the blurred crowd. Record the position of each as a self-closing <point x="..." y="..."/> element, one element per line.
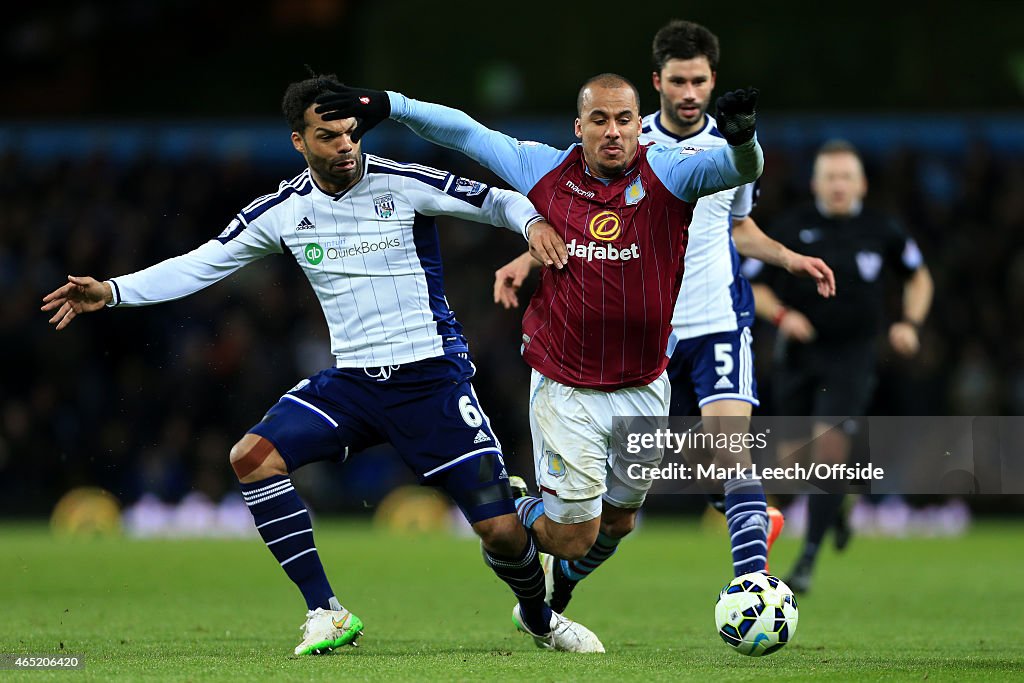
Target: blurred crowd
<point x="150" y="400"/>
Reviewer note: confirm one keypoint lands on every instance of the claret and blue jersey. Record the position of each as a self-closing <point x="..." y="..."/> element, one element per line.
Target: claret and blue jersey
<point x="604" y="321"/>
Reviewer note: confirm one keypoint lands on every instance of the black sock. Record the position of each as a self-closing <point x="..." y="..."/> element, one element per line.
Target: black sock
<point x="822" y="509"/>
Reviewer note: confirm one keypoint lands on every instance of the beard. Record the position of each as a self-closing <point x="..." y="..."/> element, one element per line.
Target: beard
<point x="611" y="170"/>
<point x="678" y="119"/>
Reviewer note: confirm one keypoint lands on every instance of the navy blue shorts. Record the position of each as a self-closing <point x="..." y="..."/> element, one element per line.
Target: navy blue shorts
<point x="427" y="410"/>
<point x="711" y="368"/>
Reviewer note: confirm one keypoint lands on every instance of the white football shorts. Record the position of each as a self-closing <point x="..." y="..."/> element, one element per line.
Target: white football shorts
<point x="576" y="458"/>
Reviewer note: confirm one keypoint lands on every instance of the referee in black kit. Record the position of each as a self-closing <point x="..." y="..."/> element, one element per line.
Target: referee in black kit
<point x="827" y="349"/>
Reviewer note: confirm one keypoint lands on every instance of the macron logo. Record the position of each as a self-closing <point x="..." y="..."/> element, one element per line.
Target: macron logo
<point x="578" y="190"/>
<point x="603" y="252"/>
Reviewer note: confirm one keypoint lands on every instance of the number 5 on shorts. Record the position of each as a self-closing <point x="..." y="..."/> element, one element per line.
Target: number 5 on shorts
<point x="723" y="359"/>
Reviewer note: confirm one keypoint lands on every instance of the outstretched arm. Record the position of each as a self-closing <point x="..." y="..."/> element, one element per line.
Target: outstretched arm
<point x="171" y="279"/>
<point x="520" y="164"/>
<point x="457" y="130"/>
<point x="751" y="242"/>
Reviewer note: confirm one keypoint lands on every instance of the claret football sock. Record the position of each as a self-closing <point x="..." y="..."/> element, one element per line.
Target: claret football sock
<point x="603" y="548"/>
<point x="746" y="512"/>
<point x="524" y="576"/>
<point x="569" y="573"/>
<point x="529" y="509"/>
<point x="283" y="521"/>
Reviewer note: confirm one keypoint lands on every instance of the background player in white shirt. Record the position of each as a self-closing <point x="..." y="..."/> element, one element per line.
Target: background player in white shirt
<point x="362" y="230"/>
<point x="710" y="346"/>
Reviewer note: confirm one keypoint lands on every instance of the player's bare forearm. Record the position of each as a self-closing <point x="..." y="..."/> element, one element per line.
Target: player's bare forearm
<point x="79" y="295"/>
<point x="527" y="258"/>
<point x="790" y="322"/>
<point x="525" y="262"/>
<point x="510" y="277"/>
<point x="751" y="242"/>
<point x="766" y="303"/>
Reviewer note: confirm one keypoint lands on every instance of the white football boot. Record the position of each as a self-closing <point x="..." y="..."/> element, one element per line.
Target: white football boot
<point x="327" y="629"/>
<point x="565" y="635"/>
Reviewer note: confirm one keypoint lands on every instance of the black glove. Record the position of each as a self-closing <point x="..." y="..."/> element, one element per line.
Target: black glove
<point x="737" y="115"/>
<point x="338" y="101"/>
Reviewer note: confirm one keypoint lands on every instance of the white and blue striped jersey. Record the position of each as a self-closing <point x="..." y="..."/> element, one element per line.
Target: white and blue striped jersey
<point x="371" y="254"/>
<point x="714" y="297"/>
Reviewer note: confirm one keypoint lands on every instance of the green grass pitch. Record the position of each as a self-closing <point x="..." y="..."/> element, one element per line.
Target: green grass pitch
<point x="936" y="609"/>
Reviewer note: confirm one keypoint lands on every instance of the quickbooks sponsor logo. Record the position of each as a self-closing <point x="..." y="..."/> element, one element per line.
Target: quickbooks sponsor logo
<point x="314" y="253"/>
<point x="603" y="252"/>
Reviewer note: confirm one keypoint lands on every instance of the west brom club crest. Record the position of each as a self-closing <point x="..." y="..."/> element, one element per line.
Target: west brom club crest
<point x="384" y="205"/>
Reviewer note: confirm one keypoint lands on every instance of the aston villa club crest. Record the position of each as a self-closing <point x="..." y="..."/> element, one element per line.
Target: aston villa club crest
<point x="384" y="205"/>
<point x="635" y="192"/>
<point x="556" y="466"/>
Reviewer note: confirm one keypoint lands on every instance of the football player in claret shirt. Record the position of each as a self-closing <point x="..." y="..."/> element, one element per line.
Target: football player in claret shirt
<point x="362" y="229"/>
<point x="596" y="330"/>
<point x="712" y="365"/>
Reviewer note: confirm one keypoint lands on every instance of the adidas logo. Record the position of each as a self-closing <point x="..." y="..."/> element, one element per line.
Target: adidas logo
<point x="723" y="383"/>
<point x="305" y="224"/>
<point x="481" y="436"/>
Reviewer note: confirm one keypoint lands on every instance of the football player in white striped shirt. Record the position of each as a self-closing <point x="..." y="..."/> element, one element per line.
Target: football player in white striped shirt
<point x="712" y="365"/>
<point x="362" y="230"/>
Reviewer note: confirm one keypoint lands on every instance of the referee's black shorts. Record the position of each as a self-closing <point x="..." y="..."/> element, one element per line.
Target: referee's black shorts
<point x="828" y="379"/>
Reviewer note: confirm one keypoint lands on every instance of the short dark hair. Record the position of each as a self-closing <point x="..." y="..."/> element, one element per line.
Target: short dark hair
<point x="680" y="39"/>
<point x="299" y="95"/>
<point x="606" y="80"/>
<point x="837" y="146"/>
